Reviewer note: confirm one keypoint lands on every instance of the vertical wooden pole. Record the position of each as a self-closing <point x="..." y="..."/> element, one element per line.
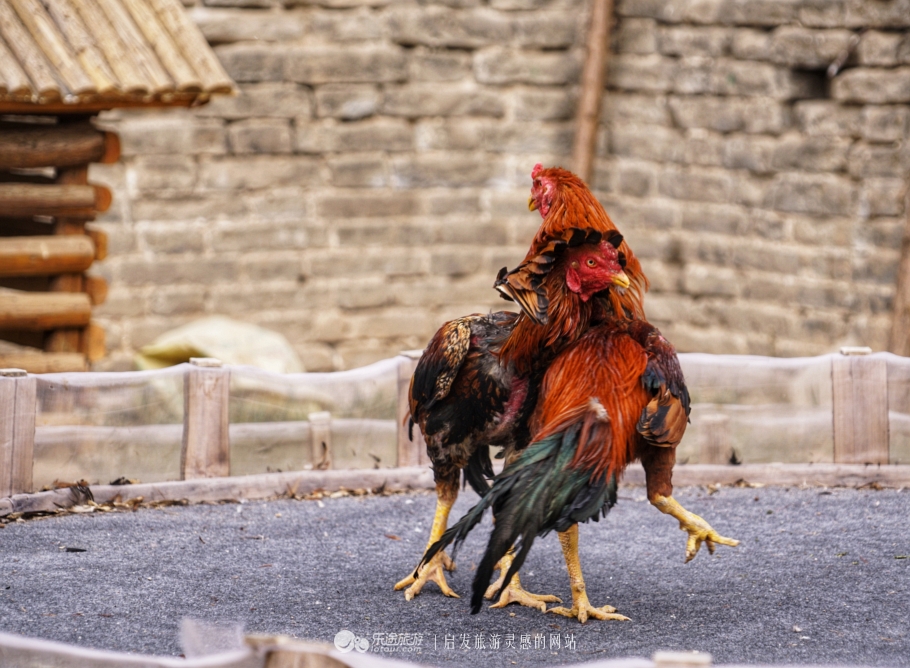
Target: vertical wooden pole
<point x="860" y="393"/>
<point x="593" y="78"/>
<point x="68" y="339"/>
<point x="321" y="439"/>
<point x="206" y="451"/>
<point x="714" y="443"/>
<point x="410" y="452"/>
<point x="18" y="403"/>
<point x="899" y="342"/>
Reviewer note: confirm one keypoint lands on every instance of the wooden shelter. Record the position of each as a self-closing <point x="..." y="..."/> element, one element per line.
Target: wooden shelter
<point x="61" y="63"/>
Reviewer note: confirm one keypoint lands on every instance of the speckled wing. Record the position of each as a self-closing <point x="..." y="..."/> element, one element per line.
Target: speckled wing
<point x="457" y="336"/>
<point x="440" y="363"/>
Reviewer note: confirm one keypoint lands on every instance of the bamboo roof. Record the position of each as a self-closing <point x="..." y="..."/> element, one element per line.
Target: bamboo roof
<point x="86" y="55"/>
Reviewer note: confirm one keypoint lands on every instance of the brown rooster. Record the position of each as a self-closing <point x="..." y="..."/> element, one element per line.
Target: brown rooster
<point x="465" y="397"/>
<point x="614" y="396"/>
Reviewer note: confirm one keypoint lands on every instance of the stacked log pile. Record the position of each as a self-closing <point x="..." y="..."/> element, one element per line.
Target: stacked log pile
<point x="46" y="243"/>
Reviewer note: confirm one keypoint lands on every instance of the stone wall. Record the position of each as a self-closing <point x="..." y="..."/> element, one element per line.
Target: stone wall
<point x="372" y="176"/>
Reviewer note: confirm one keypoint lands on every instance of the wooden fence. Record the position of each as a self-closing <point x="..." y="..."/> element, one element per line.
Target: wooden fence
<point x="859" y="420"/>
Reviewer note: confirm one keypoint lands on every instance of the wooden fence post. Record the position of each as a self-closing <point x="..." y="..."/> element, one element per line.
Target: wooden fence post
<point x="410" y="452"/>
<point x="714" y="442"/>
<point x="18" y="403"/>
<point x="321" y="439"/>
<point x="206" y="451"/>
<point x="860" y="394"/>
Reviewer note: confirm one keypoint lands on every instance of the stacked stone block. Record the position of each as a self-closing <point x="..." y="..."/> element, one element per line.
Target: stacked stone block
<point x="372" y="176"/>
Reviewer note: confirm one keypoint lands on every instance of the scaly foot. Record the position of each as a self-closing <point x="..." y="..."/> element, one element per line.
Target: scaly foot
<point x="432" y="571"/>
<point x="514" y="593"/>
<point x="502" y="566"/>
<point x="582" y="609"/>
<point x="698" y="529"/>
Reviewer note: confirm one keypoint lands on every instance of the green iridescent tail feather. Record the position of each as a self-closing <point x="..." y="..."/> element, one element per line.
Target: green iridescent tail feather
<point x="537" y="493"/>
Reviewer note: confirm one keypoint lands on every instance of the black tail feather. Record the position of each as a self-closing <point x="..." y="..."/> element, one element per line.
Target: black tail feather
<point x="479" y="470"/>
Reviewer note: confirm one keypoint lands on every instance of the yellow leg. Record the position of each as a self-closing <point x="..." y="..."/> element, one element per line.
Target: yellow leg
<point x="581" y="607"/>
<point x="699" y="531"/>
<point x="433" y="570"/>
<point x="514" y="593"/>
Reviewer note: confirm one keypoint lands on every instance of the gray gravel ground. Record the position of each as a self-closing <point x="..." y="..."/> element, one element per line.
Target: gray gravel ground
<point x="821" y="577"/>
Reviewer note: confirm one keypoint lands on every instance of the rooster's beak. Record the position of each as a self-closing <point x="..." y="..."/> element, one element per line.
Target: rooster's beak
<point x="532" y="205"/>
<point x="621" y="280"/>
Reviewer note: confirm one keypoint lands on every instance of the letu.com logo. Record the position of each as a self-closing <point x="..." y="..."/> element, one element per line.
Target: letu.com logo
<point x="345" y="641"/>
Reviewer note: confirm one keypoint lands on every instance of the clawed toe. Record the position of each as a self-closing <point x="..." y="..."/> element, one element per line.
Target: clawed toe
<point x="514" y="593"/>
<point x="432" y="571"/>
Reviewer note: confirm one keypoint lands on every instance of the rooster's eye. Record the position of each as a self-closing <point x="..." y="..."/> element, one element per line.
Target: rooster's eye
<point x="592" y="262"/>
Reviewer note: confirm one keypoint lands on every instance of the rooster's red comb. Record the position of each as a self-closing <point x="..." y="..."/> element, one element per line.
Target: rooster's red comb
<point x="538" y="168"/>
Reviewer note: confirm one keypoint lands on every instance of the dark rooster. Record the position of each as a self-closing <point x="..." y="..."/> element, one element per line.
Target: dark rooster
<point x="465" y="397"/>
<point x="614" y="396"/>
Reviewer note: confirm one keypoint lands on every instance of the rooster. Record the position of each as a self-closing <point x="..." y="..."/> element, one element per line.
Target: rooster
<point x="565" y="202"/>
<point x="614" y="396"/>
<point x="465" y="397"/>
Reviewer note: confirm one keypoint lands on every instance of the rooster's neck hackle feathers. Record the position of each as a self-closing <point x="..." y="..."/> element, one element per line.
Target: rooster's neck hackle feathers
<point x="530" y="345"/>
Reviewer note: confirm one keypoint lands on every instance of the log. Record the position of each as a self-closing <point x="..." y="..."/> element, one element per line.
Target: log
<point x="782" y="475"/>
<point x="271" y="485"/>
<point x="116" y="52"/>
<point x="258" y="486"/>
<point x="93" y="342"/>
<point x="41" y="362"/>
<point x="593" y="76"/>
<point x="97" y="106"/>
<point x="42" y="82"/>
<point x="43" y="310"/>
<point x="65" y="145"/>
<point x="38" y="256"/>
<point x="18" y="396"/>
<point x="99" y="238"/>
<point x="67" y="339"/>
<point x="78" y="35"/>
<point x="75" y="201"/>
<point x="205" y="452"/>
<point x="194" y="47"/>
<point x="185" y="79"/>
<point x="47" y="36"/>
<point x="13" y="80"/>
<point x="96" y="289"/>
<point x="860" y="395"/>
<point x="139" y="50"/>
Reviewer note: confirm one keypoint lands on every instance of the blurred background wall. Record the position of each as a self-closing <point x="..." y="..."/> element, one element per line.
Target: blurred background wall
<point x="373" y="174"/>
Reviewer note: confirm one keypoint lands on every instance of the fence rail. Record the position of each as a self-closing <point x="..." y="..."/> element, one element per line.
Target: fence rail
<point x="846" y="400"/>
